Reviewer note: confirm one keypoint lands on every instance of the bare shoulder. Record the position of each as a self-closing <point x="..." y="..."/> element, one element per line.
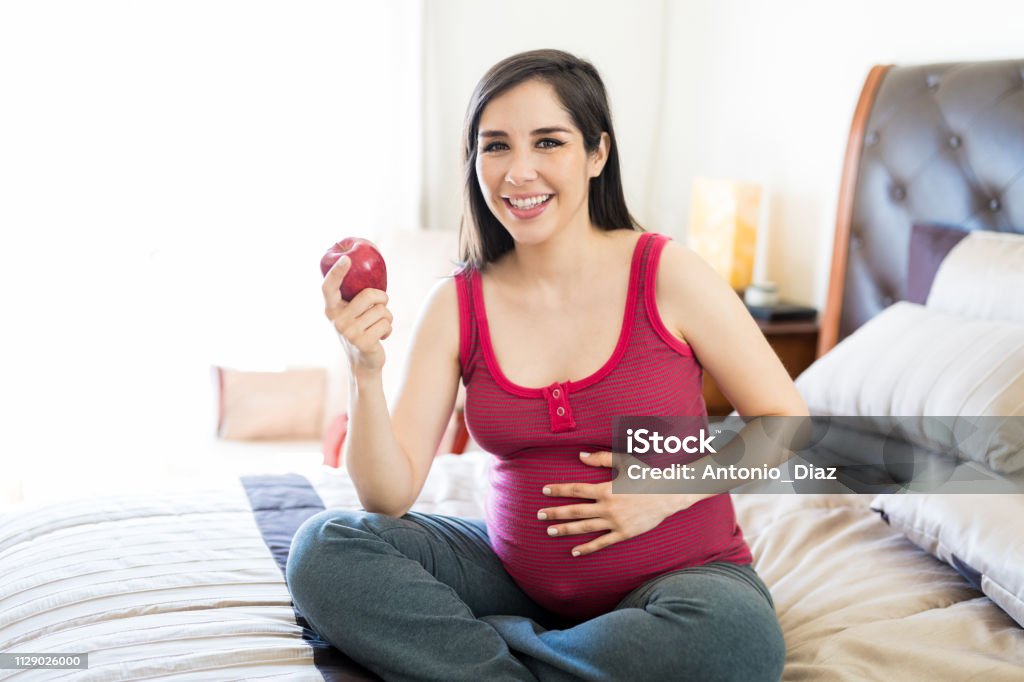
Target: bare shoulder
<point x="444" y="296"/>
<point x="439" y="316"/>
<point x="681" y="265"/>
<point x="699" y="303"/>
<point x="684" y="282"/>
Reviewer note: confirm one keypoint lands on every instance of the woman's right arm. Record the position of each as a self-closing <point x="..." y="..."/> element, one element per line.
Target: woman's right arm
<point x="388" y="457"/>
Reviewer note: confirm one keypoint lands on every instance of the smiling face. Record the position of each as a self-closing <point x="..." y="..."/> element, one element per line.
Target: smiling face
<point x="532" y="166"/>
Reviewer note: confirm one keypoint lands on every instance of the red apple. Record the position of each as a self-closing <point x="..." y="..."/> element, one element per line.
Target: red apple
<point x="367" y="269"/>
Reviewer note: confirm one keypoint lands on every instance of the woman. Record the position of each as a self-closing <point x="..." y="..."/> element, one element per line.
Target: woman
<point x="562" y="580"/>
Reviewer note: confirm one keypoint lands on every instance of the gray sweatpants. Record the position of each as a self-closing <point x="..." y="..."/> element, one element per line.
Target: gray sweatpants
<point x="424" y="597"/>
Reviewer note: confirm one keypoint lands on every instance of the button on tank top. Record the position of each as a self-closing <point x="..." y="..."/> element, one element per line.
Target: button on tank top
<point x="536" y="434"/>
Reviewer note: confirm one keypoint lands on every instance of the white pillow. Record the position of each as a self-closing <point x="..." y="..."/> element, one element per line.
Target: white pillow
<point x="912" y="361"/>
<point x="978" y="535"/>
<point x="982" y="277"/>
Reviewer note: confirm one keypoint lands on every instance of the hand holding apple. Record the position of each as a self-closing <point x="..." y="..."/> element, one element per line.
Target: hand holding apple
<point x="367" y="270"/>
<point x="356" y="303"/>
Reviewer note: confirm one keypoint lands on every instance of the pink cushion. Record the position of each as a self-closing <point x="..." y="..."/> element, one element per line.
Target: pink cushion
<point x="454" y="440"/>
<point x="334" y="439"/>
<point x="287" y="405"/>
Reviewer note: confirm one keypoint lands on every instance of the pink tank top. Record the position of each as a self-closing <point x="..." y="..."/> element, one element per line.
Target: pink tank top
<point x="536" y="434"/>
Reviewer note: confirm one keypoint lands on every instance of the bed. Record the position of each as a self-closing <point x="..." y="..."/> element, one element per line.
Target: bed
<point x="866" y="586"/>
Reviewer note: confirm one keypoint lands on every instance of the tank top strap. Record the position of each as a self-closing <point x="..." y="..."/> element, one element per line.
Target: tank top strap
<point x="468" y="331"/>
<point x="647" y="299"/>
<point x="653" y="243"/>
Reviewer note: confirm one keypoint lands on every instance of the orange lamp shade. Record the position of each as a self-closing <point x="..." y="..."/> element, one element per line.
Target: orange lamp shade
<point x="723" y="227"/>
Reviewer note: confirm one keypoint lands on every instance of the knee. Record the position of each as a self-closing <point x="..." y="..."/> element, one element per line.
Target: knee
<point x="728" y="635"/>
<point x="744" y="641"/>
<point x="315" y="546"/>
<point x="757" y="648"/>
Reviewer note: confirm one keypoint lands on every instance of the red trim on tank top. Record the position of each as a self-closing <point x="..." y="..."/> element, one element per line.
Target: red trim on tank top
<point x="484" y="333"/>
<point x="464" y="318"/>
<point x="651" y="301"/>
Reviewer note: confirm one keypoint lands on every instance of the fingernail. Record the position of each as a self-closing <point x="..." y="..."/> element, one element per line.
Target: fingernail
<point x="547" y="491"/>
<point x="552" y="531"/>
<point x="584" y="454"/>
<point x="575" y="552"/>
<point x="541" y="515"/>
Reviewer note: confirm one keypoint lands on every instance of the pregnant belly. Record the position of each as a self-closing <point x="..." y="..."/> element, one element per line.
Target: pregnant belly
<point x="592" y="584"/>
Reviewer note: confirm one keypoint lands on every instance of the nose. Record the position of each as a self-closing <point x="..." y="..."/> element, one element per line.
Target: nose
<point x="520" y="170"/>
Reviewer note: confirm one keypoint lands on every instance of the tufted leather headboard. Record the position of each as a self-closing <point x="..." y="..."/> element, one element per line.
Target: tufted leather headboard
<point x="941" y="143"/>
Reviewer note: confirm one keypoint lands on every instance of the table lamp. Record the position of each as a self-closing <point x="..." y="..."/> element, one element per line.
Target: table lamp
<point x="724" y="217"/>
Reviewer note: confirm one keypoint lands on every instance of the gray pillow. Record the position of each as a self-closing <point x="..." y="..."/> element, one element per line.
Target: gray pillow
<point x="929" y="244"/>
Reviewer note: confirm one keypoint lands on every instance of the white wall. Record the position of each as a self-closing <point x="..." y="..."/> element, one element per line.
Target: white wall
<point x="766" y="91"/>
<point x="170" y="174"/>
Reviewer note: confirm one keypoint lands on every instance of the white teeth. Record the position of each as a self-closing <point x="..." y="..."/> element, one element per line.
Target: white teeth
<point x="529" y="203"/>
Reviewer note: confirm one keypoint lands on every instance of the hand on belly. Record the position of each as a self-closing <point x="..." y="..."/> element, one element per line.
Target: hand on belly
<point x="623" y="516"/>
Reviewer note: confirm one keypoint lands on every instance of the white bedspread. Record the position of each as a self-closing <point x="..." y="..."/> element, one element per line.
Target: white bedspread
<point x="184" y="586"/>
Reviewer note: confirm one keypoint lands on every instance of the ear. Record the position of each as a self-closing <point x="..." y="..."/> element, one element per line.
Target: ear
<point x="599" y="156"/>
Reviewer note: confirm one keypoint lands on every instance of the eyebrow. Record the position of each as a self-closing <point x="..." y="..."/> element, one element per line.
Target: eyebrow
<point x="538" y="131"/>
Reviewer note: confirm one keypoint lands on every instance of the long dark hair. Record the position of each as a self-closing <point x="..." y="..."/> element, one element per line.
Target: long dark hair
<point x="482" y="237"/>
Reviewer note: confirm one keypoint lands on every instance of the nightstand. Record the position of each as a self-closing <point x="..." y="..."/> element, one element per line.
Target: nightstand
<point x="795" y="343"/>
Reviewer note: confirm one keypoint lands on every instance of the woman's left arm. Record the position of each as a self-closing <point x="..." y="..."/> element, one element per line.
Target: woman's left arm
<point x="696" y="301"/>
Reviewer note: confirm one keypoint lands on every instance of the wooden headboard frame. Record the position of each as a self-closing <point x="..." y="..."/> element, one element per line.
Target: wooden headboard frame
<point x="829" y="333"/>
